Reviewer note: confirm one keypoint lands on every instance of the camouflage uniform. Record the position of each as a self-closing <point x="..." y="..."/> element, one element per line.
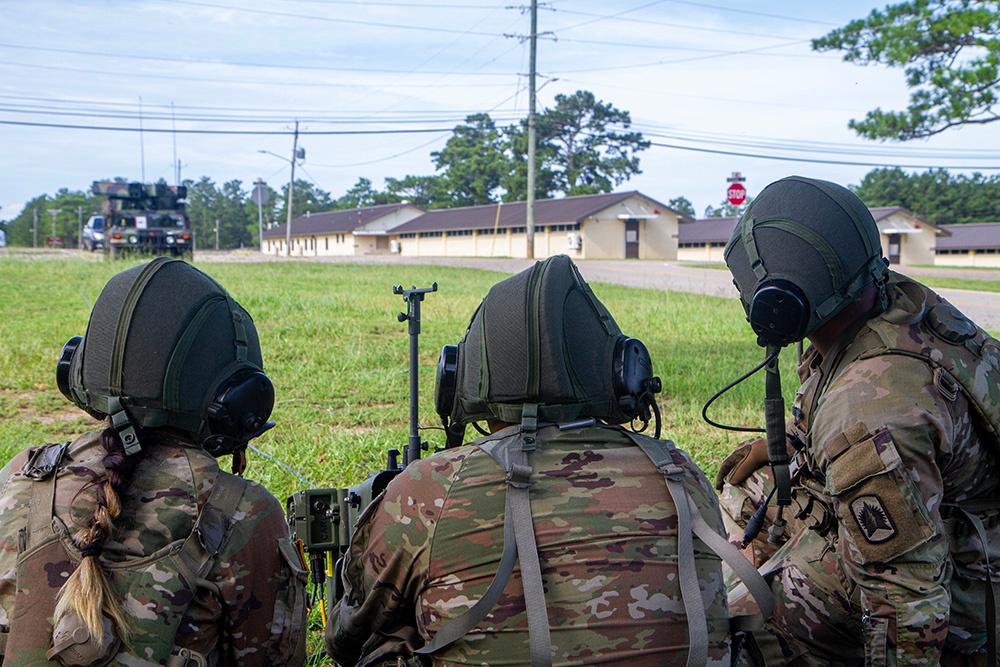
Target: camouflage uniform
<point x="880" y="568"/>
<point x="250" y="609"/>
<point x="606" y="531"/>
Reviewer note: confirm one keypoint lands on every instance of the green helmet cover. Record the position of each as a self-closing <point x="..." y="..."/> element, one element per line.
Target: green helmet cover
<point x="816" y="235"/>
<point x="162" y="337"/>
<point x="542" y="337"/>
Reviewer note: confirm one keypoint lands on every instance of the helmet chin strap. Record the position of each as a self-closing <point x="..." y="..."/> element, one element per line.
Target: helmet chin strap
<point x="777" y="448"/>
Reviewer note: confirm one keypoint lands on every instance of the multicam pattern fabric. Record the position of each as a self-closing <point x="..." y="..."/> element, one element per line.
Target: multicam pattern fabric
<point x="250" y="609"/>
<point x="607" y="536"/>
<point x="892" y="445"/>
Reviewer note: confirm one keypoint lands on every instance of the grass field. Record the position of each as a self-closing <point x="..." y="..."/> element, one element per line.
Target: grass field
<point x="339" y="358"/>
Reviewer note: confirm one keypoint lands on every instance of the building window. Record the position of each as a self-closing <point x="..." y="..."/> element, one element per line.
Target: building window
<point x="408" y="235"/>
<point x="518" y="230"/>
<point x="431" y="235"/>
<point x="460" y="232"/>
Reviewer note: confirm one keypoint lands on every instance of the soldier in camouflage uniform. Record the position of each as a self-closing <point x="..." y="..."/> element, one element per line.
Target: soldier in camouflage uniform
<point x="896" y="488"/>
<point x="605" y="526"/>
<point x="129" y="544"/>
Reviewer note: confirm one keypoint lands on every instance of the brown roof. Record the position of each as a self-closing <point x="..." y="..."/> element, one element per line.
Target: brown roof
<point x="882" y="212"/>
<point x="970" y="236"/>
<point x="719" y="230"/>
<point x="334" y="222"/>
<point x="567" y="210"/>
<point x="706" y="230"/>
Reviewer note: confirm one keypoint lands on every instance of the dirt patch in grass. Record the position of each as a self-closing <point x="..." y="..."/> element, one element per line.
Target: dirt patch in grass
<point x="29" y="408"/>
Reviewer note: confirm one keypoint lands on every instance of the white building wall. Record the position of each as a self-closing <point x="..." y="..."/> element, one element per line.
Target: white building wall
<point x="703" y="253"/>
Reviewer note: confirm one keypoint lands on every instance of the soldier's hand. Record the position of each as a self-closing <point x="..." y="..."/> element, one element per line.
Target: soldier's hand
<point x="742" y="462"/>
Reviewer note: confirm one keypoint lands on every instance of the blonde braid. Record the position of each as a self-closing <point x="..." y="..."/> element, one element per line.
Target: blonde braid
<point x="87" y="592"/>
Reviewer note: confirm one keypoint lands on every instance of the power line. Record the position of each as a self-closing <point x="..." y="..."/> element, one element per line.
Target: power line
<point x="66" y="126"/>
<point x="780" y="158"/>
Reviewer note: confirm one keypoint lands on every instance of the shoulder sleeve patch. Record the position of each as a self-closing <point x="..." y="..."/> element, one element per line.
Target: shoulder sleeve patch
<point x="879" y="508"/>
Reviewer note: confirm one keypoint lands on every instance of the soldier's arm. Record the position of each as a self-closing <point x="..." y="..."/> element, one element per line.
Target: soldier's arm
<point x="880" y="431"/>
<point x="386" y="568"/>
<point x="263" y="586"/>
<point x="13" y="517"/>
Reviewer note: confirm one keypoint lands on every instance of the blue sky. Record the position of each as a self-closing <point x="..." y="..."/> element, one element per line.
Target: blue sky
<point x="720" y="86"/>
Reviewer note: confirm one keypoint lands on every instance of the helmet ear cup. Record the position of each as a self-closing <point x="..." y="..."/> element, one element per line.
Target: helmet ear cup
<point x="64" y="368"/>
<point x="779" y="313"/>
<point x="445" y="385"/>
<point x="446" y="381"/>
<point x="632" y="378"/>
<point x="239" y="412"/>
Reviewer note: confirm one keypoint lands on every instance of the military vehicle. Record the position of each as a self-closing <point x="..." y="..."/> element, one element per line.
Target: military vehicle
<point x="140" y="218"/>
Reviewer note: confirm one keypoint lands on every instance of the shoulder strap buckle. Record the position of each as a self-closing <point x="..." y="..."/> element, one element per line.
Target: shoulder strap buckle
<point x="44" y="460"/>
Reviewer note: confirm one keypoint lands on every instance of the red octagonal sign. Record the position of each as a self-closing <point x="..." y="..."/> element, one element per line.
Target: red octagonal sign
<point x="736" y="194"/>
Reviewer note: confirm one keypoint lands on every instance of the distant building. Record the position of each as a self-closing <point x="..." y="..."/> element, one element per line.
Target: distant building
<point x="973" y="244"/>
<point x="907" y="238"/>
<point x="704" y="240"/>
<point x="609" y="226"/>
<point x="356" y="231"/>
<point x="626" y="225"/>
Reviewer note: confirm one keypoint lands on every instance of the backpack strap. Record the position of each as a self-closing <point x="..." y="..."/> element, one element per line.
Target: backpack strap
<point x="42" y="467"/>
<point x="192" y="561"/>
<point x="212" y="529"/>
<point x="658" y="452"/>
<point x="970" y="511"/>
<point x="511" y="454"/>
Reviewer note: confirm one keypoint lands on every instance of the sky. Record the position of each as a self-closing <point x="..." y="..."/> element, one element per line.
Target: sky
<point x="149" y="89"/>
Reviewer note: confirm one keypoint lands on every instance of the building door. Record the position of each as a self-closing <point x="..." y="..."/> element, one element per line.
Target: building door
<point x="631" y="239"/>
<point x="381" y="244"/>
<point x="894" y="240"/>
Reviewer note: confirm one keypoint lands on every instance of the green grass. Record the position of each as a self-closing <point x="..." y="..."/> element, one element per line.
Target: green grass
<point x="960" y="283"/>
<point x="339" y="358"/>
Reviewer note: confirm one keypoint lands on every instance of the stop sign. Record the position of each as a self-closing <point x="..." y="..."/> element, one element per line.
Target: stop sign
<point x="736" y="194"/>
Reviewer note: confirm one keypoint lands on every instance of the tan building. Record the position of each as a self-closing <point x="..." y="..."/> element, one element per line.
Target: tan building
<point x="907" y="239"/>
<point x="622" y="225"/>
<point x="356" y="231"/>
<point x="704" y="240"/>
<point x="973" y="244"/>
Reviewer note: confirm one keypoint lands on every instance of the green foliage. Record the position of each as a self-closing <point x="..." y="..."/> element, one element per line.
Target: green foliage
<point x="339" y="358"/>
<point x="593" y="152"/>
<point x="934" y="195"/>
<point x="727" y="210"/>
<point x="682" y="205"/>
<point x="474" y="161"/>
<point x="423" y="191"/>
<point x="362" y="194"/>
<point x="950" y="52"/>
<point x="62" y="214"/>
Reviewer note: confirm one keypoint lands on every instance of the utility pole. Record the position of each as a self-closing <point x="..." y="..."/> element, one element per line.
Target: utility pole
<point x="79" y="223"/>
<point x="54" y="212"/>
<point x="34" y="229"/>
<point x="291" y="187"/>
<point x="216" y="233"/>
<point x="530" y="202"/>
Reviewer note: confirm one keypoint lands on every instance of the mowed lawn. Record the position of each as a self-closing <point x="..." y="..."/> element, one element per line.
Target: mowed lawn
<point x="338" y="357"/>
